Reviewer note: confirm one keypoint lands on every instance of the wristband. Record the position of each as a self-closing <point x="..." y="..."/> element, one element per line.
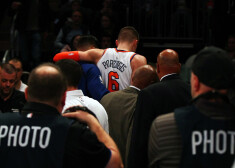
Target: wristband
<point x="74" y="55"/>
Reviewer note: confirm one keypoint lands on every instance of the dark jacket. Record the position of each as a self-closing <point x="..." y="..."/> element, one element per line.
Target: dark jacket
<point x="14" y="104"/>
<point x="160" y="98"/>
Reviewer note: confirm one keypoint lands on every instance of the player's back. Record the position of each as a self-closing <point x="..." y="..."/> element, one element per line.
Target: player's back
<point x="115" y="68"/>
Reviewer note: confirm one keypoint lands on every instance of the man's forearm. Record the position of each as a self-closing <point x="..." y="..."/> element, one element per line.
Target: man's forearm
<point x="115" y="160"/>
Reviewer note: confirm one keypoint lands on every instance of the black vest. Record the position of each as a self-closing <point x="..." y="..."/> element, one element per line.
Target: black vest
<point x="206" y="142"/>
<point x="32" y="142"/>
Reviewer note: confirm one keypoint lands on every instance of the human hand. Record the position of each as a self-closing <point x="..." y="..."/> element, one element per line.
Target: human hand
<point x="84" y="117"/>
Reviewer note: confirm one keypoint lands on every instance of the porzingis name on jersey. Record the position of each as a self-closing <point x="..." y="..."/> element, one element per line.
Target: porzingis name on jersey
<point x="213" y="141"/>
<point x="22" y="136"/>
<point x="114" y="64"/>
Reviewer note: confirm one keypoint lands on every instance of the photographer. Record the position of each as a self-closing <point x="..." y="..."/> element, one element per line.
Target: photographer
<point x="41" y="137"/>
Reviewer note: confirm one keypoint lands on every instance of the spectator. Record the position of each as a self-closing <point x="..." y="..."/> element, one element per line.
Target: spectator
<point x="11" y="100"/>
<point x="113" y="9"/>
<point x="107" y="7"/>
<point x="72" y="45"/>
<point x="43" y="138"/>
<point x="201" y="134"/>
<point x="70" y="29"/>
<point x="120" y="107"/>
<point x="74" y="97"/>
<point x="19" y="85"/>
<point x="116" y="65"/>
<point x="106" y="41"/>
<point x="65" y="13"/>
<point x="106" y="25"/>
<point x="33" y="19"/>
<point x="159" y="98"/>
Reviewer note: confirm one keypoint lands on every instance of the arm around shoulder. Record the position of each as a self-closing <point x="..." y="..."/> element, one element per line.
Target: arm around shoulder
<point x="92" y="55"/>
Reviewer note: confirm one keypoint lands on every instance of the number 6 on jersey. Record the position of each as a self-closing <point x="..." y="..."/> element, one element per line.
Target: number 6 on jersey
<point x="113" y="85"/>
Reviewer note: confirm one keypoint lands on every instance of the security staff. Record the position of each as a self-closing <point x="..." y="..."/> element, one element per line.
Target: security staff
<point x="202" y="134"/>
<point x="40" y="137"/>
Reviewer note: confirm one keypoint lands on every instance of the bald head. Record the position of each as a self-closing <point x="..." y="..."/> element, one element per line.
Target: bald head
<point x="144" y="76"/>
<point x="168" y="57"/>
<point x="167" y="62"/>
<point x="46" y="84"/>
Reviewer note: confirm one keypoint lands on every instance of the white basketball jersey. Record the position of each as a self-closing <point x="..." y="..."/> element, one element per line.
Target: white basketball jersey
<point x="115" y="68"/>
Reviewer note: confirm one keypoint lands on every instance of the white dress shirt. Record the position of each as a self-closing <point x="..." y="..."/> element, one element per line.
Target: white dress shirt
<point x="76" y="97"/>
<point x="22" y="86"/>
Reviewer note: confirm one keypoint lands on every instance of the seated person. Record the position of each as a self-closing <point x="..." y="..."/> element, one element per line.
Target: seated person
<point x="11" y="100"/>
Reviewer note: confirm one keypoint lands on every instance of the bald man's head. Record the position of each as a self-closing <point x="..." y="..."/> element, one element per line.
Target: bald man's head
<point x="168" y="62"/>
<point x="46" y="84"/>
<point x="168" y="57"/>
<point x="144" y="76"/>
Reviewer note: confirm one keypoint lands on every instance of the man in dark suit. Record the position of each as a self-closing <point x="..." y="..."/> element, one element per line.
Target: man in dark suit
<point x="193" y="136"/>
<point x="159" y="98"/>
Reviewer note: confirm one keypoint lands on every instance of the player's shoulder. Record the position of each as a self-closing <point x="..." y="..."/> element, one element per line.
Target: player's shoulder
<point x="109" y="50"/>
<point x="140" y="58"/>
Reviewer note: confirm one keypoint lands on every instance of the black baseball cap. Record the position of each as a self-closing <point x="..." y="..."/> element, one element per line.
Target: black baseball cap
<point x="214" y="68"/>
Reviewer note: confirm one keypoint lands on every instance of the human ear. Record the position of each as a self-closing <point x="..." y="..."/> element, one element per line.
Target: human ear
<point x="26" y="93"/>
<point x="116" y="42"/>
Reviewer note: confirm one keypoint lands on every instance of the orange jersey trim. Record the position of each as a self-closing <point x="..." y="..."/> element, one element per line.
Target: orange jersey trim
<point x="132" y="57"/>
<point x="117" y="50"/>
